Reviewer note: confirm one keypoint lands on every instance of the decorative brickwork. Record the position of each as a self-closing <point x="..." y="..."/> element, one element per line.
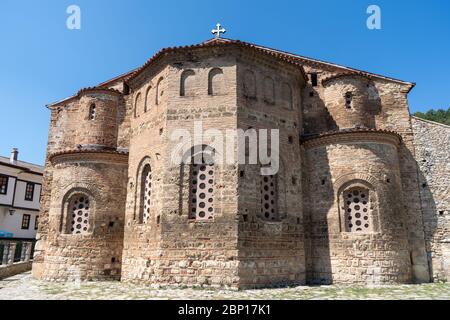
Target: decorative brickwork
<point x="79" y="208"/>
<point x="202" y="192"/>
<point x="347" y="204"/>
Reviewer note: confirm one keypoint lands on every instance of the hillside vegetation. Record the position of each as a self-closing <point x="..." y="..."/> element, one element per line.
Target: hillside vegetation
<point x="441" y="116"/>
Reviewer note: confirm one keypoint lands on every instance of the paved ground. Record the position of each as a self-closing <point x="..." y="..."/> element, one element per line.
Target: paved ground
<point x="23" y="287"/>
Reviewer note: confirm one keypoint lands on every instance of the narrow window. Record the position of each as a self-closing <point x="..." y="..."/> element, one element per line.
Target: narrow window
<point x="314" y="79"/>
<point x="92" y="112"/>
<point x="29" y="191"/>
<point x="159" y="91"/>
<point x="348" y="100"/>
<point x="269" y="90"/>
<point x="36" y="223"/>
<point x="357" y="209"/>
<point x="137" y="104"/>
<point x="79" y="215"/>
<point x="26" y="221"/>
<point x="249" y="84"/>
<point x="286" y="94"/>
<point x="291" y="139"/>
<point x="201" y="189"/>
<point x="147" y="100"/>
<point x="269" y="205"/>
<point x="187" y="83"/>
<point x="294" y="181"/>
<point x="146" y="192"/>
<point x="126" y="89"/>
<point x="216" y="82"/>
<point x="3" y="184"/>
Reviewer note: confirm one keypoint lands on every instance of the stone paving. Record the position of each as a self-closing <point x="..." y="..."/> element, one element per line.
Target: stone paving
<point x="23" y="287"/>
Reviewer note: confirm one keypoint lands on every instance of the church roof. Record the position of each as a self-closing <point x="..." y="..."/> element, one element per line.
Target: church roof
<point x="347" y="70"/>
<point x="286" y="56"/>
<point x="283" y="55"/>
<point x="218" y="42"/>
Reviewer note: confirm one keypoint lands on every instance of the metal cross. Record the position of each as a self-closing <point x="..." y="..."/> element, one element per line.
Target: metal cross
<point x="218" y="31"/>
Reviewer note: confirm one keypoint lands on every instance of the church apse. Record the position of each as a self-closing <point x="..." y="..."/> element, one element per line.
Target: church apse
<point x="343" y="208"/>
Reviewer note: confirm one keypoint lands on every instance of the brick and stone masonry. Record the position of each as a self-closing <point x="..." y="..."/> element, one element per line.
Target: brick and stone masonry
<point x="432" y="141"/>
<point x="361" y="196"/>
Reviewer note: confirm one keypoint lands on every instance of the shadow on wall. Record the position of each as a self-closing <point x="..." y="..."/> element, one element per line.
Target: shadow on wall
<point x="414" y="215"/>
<point x="429" y="211"/>
<point x="322" y="216"/>
<point x="317" y="190"/>
<point x="374" y="105"/>
<point x="359" y="109"/>
<point x="317" y="119"/>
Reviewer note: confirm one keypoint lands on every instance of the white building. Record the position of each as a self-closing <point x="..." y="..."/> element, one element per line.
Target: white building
<point x="20" y="191"/>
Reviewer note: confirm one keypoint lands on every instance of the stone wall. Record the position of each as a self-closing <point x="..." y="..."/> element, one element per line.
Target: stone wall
<point x="81" y="158"/>
<point x="432" y="141"/>
<point x="378" y="255"/>
<point x="97" y="119"/>
<point x="243" y="245"/>
<point x="271" y="249"/>
<point x="171" y="248"/>
<point x="387" y="109"/>
<point x="353" y="101"/>
<point x="97" y="254"/>
<point x="13" y="269"/>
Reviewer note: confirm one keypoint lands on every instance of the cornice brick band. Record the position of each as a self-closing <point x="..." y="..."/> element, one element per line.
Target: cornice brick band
<point x="98" y="90"/>
<point x="118" y="157"/>
<point x="353" y="135"/>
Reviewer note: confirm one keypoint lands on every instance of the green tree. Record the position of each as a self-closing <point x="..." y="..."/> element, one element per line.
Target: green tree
<point x="441" y="116"/>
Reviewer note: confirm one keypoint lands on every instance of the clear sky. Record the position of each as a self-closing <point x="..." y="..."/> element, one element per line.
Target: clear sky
<point x="42" y="61"/>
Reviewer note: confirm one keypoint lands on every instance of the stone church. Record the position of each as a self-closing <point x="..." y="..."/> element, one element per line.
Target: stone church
<point x="361" y="195"/>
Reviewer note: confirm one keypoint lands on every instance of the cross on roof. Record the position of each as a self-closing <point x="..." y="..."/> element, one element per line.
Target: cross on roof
<point x="217" y="32"/>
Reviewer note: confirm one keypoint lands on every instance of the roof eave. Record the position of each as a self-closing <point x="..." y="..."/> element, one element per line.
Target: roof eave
<point x="337" y="66"/>
<point x="129" y="76"/>
<point x="215" y="41"/>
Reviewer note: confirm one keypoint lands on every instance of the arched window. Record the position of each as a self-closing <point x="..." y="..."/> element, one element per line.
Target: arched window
<point x="250" y="84"/>
<point x="286" y="95"/>
<point x="187" y="85"/>
<point x="269" y="90"/>
<point x="269" y="198"/>
<point x="137" y="105"/>
<point x="201" y="185"/>
<point x="216" y="82"/>
<point x="357" y="209"/>
<point x="159" y="91"/>
<point x="145" y="194"/>
<point x="147" y="99"/>
<point x="92" y="112"/>
<point x="79" y="215"/>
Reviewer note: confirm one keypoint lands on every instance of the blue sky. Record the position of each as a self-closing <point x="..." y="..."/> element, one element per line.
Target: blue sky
<point x="42" y="61"/>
